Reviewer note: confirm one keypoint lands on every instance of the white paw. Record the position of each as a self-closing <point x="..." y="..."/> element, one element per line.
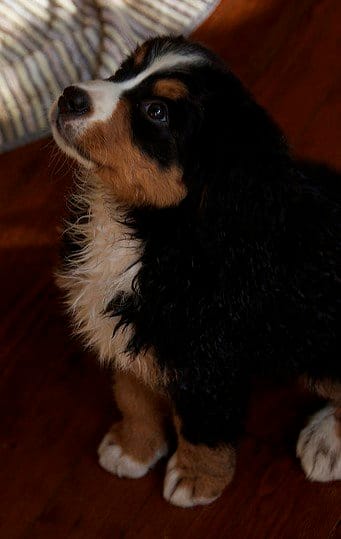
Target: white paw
<point x="180" y="487"/>
<point x="319" y="447"/>
<point x="113" y="460"/>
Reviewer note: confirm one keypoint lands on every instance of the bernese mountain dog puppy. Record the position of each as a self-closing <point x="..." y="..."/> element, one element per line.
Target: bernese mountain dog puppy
<point x="199" y="255"/>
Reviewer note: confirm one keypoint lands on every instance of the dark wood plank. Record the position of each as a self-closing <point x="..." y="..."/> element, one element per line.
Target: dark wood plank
<point x="56" y="400"/>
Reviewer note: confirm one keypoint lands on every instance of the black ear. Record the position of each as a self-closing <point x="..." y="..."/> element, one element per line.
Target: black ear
<point x="241" y="160"/>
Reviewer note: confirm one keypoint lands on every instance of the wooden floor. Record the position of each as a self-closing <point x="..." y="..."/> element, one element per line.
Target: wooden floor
<point x="56" y="402"/>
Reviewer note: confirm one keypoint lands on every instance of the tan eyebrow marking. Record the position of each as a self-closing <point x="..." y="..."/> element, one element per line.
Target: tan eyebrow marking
<point x="171" y="88"/>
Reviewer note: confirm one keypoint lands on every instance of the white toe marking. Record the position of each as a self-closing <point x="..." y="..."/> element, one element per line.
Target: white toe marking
<point x="113" y="460"/>
<point x="172" y="462"/>
<point x="319" y="447"/>
<point x="182" y="497"/>
<point x="171" y="481"/>
<point x="177" y="493"/>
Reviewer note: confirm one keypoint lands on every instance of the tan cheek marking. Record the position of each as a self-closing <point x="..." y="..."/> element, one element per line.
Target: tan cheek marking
<point x="141" y="432"/>
<point x="135" y="179"/>
<point x="171" y="88"/>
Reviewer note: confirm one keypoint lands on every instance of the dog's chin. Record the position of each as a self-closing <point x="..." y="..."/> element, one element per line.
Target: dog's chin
<point x="64" y="140"/>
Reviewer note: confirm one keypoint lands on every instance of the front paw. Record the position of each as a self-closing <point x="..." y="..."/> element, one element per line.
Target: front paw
<point x="123" y="460"/>
<point x="188" y="484"/>
<point x="113" y="459"/>
<point x="319" y="447"/>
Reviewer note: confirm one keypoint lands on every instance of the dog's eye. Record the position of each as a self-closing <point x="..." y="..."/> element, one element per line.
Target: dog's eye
<point x="156" y="111"/>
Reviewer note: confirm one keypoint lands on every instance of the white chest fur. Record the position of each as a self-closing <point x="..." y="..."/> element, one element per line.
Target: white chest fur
<point x="106" y="264"/>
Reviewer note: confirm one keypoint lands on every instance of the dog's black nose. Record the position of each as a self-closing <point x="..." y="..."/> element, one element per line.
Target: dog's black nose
<point x="74" y="101"/>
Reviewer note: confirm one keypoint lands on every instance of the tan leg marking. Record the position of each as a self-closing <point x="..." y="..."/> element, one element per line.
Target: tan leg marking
<point x="197" y="474"/>
<point x="327" y="389"/>
<point x="140" y="54"/>
<point x="138" y="441"/>
<point x="146" y="370"/>
<point x="319" y="443"/>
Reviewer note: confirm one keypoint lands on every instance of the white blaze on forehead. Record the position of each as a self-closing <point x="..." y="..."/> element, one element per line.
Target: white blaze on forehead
<point x="106" y="94"/>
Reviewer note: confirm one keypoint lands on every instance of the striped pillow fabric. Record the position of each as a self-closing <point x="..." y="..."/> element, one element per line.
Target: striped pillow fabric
<point x="46" y="45"/>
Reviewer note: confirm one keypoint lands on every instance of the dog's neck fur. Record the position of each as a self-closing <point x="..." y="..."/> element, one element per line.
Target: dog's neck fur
<point x="104" y="264"/>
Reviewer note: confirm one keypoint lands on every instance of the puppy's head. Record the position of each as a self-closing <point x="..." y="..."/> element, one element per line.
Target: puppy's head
<point x="152" y="128"/>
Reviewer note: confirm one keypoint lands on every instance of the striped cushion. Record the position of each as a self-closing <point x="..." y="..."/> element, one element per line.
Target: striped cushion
<point x="46" y="45"/>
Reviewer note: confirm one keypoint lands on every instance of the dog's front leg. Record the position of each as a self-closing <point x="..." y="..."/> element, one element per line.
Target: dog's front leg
<point x="204" y="462"/>
<point x="134" y="444"/>
<point x="197" y="474"/>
